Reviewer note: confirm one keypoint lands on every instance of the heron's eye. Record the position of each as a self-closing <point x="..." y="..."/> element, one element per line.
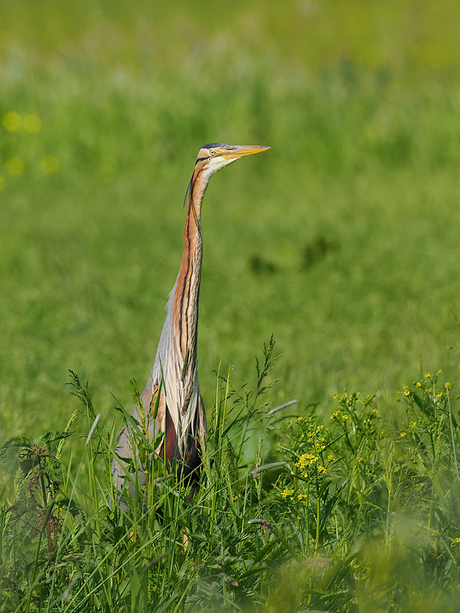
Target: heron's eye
<point x="212" y="152"/>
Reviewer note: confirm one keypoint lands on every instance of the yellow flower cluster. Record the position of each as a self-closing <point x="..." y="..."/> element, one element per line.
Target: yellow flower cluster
<point x="310" y="461"/>
<point x="307" y="460"/>
<point x="406" y="391"/>
<point x="431" y="375"/>
<point x="15" y="165"/>
<point x="290" y="494"/>
<point x="12" y="121"/>
<point x="338" y="415"/>
<point x="32" y="124"/>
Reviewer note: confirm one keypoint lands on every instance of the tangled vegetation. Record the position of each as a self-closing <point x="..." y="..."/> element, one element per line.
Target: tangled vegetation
<point x="351" y="513"/>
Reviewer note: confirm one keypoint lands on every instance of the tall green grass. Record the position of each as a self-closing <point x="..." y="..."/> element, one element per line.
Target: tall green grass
<point x="353" y="513"/>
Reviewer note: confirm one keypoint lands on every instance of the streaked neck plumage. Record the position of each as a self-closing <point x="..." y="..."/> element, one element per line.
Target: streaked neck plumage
<point x="185" y="309"/>
<point x="176" y="359"/>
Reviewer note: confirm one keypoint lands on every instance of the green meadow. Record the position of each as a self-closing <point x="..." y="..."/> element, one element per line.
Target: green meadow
<point x="341" y="242"/>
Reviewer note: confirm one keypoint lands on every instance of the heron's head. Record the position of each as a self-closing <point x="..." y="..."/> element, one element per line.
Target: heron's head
<point x="215" y="156"/>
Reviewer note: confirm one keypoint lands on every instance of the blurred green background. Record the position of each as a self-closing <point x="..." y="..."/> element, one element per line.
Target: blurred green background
<point x="342" y="240"/>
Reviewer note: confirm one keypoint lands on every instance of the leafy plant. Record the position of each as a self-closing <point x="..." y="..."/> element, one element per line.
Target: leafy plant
<point x="350" y="514"/>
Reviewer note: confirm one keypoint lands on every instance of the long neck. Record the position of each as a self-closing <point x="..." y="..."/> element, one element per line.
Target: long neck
<point x="185" y="307"/>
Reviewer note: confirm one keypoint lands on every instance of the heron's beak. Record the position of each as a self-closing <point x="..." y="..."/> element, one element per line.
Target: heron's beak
<point x="239" y="151"/>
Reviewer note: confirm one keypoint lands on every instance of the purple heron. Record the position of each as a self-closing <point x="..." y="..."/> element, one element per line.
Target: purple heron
<point x="173" y="390"/>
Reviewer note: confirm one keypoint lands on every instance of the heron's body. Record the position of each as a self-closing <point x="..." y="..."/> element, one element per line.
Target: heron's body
<point x="180" y="415"/>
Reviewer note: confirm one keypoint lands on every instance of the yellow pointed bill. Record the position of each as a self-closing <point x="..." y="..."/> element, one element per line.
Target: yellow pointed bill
<point x="239" y="151"/>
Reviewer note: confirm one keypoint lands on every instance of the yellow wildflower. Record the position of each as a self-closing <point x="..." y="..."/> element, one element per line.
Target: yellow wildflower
<point x="11" y="121"/>
<point x="15" y="165"/>
<point x="307" y="459"/>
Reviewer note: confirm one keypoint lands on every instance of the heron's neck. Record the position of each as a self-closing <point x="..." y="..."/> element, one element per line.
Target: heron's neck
<point x="185" y="311"/>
